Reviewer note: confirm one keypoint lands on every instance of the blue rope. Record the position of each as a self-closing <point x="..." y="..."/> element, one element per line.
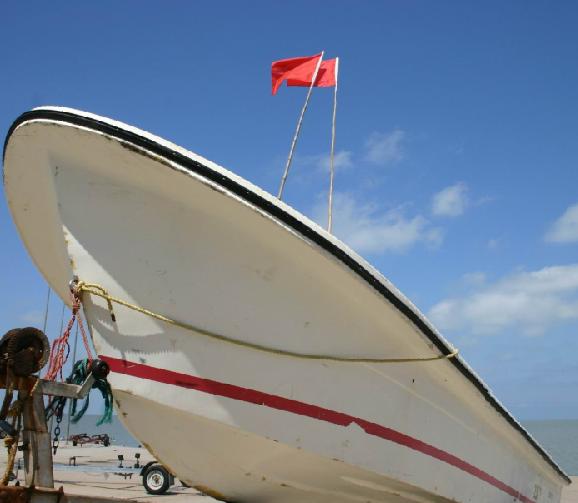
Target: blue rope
<point x="78" y="376"/>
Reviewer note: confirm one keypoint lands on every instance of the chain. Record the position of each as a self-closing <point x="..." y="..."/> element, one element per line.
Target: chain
<point x="58" y="414"/>
<point x="56" y="439"/>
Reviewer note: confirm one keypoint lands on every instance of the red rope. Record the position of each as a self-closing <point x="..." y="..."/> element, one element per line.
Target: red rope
<point x="59" y="352"/>
<point x="85" y="340"/>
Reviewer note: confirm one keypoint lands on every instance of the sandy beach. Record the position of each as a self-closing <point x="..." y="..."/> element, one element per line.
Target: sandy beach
<point x="97" y="473"/>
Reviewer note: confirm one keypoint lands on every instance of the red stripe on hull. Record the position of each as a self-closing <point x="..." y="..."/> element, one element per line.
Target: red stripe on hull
<point x="304" y="409"/>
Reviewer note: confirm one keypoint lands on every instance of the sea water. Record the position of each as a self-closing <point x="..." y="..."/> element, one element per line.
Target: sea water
<point x="559" y="438"/>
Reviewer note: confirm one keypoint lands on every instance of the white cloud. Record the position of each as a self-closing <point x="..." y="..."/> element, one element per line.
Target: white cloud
<point x="493" y="244"/>
<point x="368" y="230"/>
<point x="341" y="160"/>
<point x="32" y="317"/>
<point x="385" y="148"/>
<point x="451" y="201"/>
<point x="474" y="278"/>
<point x="530" y="302"/>
<point x="565" y="229"/>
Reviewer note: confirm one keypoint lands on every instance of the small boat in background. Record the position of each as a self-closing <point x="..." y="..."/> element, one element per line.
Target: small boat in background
<point x="252" y="352"/>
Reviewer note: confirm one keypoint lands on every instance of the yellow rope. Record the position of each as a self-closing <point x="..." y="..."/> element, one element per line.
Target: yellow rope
<point x="34" y="387"/>
<point x="99" y="291"/>
<point x="14" y="412"/>
<point x="11" y="442"/>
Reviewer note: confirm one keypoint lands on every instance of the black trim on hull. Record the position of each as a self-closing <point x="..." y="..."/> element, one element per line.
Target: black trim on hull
<point x="299" y="226"/>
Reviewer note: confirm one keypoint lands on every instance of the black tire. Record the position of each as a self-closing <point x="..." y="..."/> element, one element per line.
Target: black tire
<point x="74" y="443"/>
<point x="156" y="479"/>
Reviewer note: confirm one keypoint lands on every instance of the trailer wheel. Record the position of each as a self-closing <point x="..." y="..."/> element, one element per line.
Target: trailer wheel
<point x="156" y="480"/>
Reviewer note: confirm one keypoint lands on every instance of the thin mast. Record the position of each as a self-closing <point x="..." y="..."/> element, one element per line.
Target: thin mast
<point x="59" y="334"/>
<point x="70" y="401"/>
<point x="299" y="122"/>
<point x="46" y="310"/>
<point x="332" y="155"/>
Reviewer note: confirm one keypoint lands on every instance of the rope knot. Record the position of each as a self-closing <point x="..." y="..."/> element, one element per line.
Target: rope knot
<point x="60" y="347"/>
<point x="77" y="288"/>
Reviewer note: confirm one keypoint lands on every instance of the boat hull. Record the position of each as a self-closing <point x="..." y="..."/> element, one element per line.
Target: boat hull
<point x="250" y="425"/>
<point x="234" y="465"/>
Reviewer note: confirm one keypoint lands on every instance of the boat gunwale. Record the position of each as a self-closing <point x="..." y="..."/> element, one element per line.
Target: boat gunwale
<point x="275" y="209"/>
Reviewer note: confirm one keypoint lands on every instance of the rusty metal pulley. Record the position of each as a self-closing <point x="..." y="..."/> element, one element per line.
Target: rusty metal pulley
<point x="25" y="350"/>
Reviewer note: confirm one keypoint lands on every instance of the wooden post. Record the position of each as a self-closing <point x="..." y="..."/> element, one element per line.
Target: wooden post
<point x="35" y="436"/>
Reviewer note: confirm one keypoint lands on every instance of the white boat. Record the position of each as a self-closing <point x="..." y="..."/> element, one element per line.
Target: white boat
<point x="163" y="229"/>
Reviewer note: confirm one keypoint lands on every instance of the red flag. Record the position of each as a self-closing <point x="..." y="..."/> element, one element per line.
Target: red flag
<point x="326" y="76"/>
<point x="298" y="69"/>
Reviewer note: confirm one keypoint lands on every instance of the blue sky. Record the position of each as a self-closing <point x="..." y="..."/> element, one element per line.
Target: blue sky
<point x="457" y="145"/>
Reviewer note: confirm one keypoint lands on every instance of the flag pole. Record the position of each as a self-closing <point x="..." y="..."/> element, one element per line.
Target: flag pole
<point x="332" y="155"/>
<point x="299" y="122"/>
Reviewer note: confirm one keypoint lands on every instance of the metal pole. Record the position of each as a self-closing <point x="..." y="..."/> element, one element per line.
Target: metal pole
<point x="59" y="334"/>
<point x="46" y="310"/>
<point x="299" y="122"/>
<point x="70" y="401"/>
<point x="332" y="155"/>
